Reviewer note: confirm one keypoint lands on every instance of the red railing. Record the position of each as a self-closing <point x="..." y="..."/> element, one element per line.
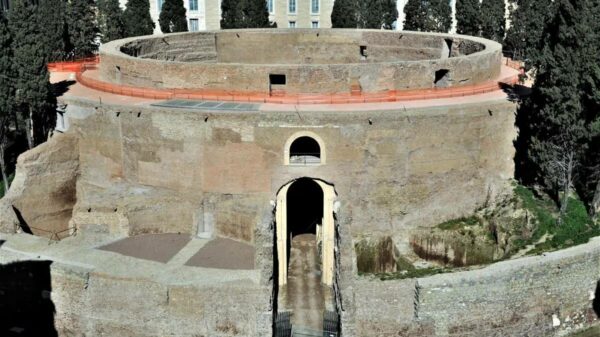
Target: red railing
<point x="72" y="66"/>
<point x="285" y="98"/>
<point x="80" y="67"/>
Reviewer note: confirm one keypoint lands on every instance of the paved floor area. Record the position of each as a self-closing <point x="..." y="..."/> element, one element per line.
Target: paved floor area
<point x="153" y="247"/>
<point x="81" y="251"/>
<point x="222" y="253"/>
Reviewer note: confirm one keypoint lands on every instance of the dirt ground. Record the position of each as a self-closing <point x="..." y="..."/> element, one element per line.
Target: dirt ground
<point x="154" y="247"/>
<point x="224" y="253"/>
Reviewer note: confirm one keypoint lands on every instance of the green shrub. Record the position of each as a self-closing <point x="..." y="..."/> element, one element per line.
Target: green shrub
<point x="2" y="188"/>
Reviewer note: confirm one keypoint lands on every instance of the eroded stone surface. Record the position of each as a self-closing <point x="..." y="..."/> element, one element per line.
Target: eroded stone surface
<point x="43" y="192"/>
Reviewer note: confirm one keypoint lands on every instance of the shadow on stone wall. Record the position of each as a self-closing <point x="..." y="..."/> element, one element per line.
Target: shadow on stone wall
<point x="25" y="303"/>
<point x="596" y="302"/>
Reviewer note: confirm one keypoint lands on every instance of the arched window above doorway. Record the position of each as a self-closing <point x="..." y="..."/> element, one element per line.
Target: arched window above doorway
<point x="304" y="148"/>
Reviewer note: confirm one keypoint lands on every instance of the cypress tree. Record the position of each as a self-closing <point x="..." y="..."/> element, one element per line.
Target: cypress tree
<point x="6" y="92"/>
<point x="377" y="14"/>
<point x="110" y="20"/>
<point x="428" y="16"/>
<point x="245" y="14"/>
<point x="172" y="17"/>
<point x="82" y="27"/>
<point x="137" y="19"/>
<point x="416" y="12"/>
<point x="468" y="17"/>
<point x="528" y="19"/>
<point x="493" y="21"/>
<point x="564" y="103"/>
<point x="33" y="99"/>
<point x="230" y="15"/>
<point x="440" y="17"/>
<point x="343" y="14"/>
<point x="51" y="14"/>
<point x="257" y="14"/>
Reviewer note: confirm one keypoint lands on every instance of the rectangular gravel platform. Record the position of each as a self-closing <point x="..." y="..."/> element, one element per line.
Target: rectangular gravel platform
<point x="153" y="247"/>
<point x="207" y="105"/>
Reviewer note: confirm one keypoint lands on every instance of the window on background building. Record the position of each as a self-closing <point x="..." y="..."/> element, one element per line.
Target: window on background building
<point x="314" y="6"/>
<point x="270" y="6"/>
<point x="292" y="24"/>
<point x="292" y="6"/>
<point x="159" y="4"/>
<point x="315" y="24"/>
<point x="193" y="5"/>
<point x="194" y="25"/>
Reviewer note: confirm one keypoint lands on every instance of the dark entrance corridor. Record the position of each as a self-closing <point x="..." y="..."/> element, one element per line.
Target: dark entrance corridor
<point x="304" y="295"/>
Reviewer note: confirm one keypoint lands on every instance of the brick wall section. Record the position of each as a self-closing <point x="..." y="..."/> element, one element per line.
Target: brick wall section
<point x="305" y="77"/>
<point x="511" y="298"/>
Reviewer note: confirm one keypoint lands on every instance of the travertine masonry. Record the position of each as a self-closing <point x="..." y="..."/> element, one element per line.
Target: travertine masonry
<point x="511" y="298"/>
<point x="313" y="61"/>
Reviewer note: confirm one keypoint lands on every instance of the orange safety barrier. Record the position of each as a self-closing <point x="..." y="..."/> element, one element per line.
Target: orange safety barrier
<point x="283" y="98"/>
<point x="515" y="64"/>
<point x="72" y="66"/>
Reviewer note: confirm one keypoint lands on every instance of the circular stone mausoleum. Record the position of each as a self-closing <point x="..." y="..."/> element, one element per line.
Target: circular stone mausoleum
<point x="283" y="148"/>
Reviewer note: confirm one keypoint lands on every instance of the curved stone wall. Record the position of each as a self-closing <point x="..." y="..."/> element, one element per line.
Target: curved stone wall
<point x="154" y="169"/>
<point x="313" y="61"/>
<point x="539" y="296"/>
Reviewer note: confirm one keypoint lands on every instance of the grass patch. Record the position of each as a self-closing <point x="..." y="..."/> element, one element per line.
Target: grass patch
<point x="459" y="223"/>
<point x="542" y="209"/>
<point x="577" y="226"/>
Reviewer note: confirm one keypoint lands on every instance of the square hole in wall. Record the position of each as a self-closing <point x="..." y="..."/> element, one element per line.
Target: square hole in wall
<point x="277" y="79"/>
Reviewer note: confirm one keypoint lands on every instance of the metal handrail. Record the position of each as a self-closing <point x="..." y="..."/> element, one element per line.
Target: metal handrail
<point x="54" y="235"/>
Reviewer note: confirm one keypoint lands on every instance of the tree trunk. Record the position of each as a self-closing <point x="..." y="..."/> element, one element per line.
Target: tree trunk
<point x="567" y="183"/>
<point x="3" y="168"/>
<point x="596" y="200"/>
<point x="29" y="130"/>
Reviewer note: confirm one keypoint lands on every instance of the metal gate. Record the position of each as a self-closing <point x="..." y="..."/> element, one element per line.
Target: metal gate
<point x="283" y="325"/>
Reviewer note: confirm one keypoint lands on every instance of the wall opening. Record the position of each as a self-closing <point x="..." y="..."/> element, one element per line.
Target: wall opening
<point x="442" y="78"/>
<point x="449" y="43"/>
<point x="305" y="150"/>
<point x="305" y="257"/>
<point x="363" y="52"/>
<point x="304" y="207"/>
<point x="277" y="79"/>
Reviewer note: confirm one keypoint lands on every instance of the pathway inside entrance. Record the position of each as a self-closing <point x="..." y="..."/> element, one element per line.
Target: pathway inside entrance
<point x="304" y="295"/>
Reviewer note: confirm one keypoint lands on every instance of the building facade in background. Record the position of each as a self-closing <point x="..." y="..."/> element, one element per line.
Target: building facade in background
<point x="206" y="14"/>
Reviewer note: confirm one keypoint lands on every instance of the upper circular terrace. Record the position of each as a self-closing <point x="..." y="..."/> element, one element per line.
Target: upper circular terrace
<point x="299" y="66"/>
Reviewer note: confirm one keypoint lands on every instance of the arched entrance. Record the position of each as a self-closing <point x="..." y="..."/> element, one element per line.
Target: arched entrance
<point x="305" y="206"/>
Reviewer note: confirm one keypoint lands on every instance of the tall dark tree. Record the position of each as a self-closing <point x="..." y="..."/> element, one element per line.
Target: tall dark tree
<point x="377" y="14"/>
<point x="468" y="17"/>
<point x="257" y="14"/>
<point x="51" y="14"/>
<point x="83" y="31"/>
<point x="428" y="16"/>
<point x="493" y="20"/>
<point x="416" y="15"/>
<point x="528" y="19"/>
<point x="172" y="17"/>
<point x="110" y="20"/>
<point x="231" y="16"/>
<point x="33" y="97"/>
<point x="244" y="14"/>
<point x="137" y="19"/>
<point x="6" y="93"/>
<point x="343" y="14"/>
<point x="563" y="106"/>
